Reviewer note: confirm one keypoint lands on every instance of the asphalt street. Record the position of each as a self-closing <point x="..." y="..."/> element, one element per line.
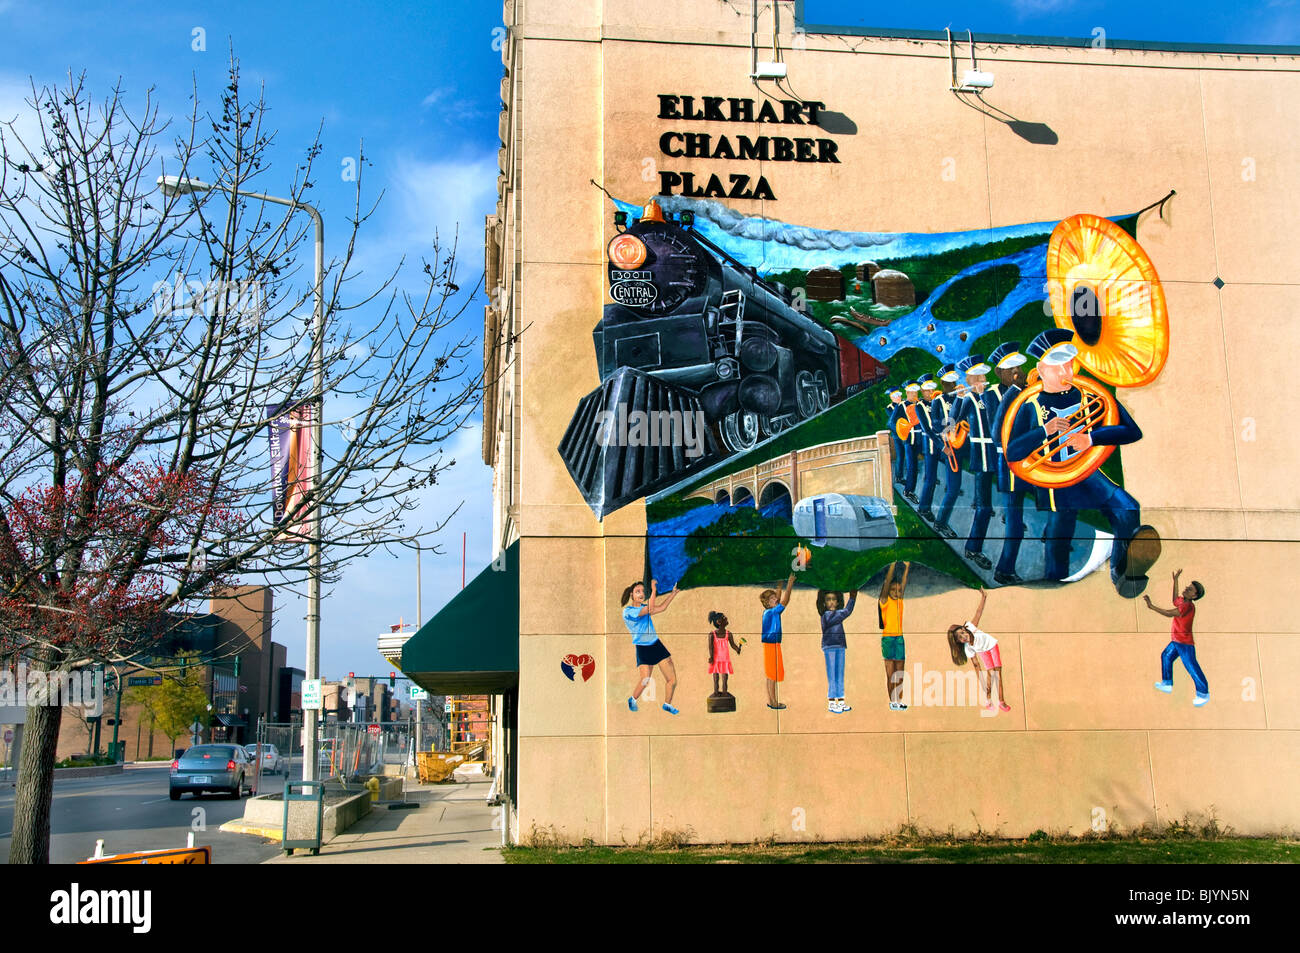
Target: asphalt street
<point x="131" y="811"/>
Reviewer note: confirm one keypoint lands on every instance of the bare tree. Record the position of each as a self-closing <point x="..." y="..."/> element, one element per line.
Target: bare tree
<point x="144" y="338"/>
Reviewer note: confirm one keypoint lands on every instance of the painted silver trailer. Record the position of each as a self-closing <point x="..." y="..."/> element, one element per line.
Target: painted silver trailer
<point x="845" y="521"/>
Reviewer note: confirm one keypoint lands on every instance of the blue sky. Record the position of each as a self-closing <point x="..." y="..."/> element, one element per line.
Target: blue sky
<point x="1268" y="22"/>
<point x="420" y="83"/>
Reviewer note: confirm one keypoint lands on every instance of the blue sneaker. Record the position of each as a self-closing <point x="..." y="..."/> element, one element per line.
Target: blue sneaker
<point x="631" y="703"/>
<point x="1166" y="687"/>
<point x="1200" y="700"/>
<point x="670" y="709"/>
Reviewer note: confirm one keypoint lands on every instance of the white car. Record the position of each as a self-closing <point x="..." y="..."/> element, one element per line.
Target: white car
<point x="271" y="759"/>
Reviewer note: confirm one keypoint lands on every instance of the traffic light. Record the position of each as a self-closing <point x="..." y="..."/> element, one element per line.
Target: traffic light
<point x="392" y="679"/>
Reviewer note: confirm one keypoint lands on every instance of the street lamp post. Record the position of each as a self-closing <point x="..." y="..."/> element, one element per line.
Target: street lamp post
<point x="175" y="185"/>
<point x="419" y="621"/>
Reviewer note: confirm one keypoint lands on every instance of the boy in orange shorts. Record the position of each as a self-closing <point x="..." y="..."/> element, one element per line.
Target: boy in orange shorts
<point x="774" y="604"/>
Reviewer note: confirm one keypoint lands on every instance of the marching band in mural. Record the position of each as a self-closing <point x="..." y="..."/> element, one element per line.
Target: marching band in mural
<point x="771" y="391"/>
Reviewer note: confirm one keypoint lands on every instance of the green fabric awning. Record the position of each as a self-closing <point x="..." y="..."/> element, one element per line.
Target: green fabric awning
<point x="471" y="646"/>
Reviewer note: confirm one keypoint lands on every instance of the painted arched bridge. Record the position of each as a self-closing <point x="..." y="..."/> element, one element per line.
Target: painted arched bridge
<point x="859" y="465"/>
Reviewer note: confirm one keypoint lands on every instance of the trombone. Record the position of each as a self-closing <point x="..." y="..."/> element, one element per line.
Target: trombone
<point x="954" y="437"/>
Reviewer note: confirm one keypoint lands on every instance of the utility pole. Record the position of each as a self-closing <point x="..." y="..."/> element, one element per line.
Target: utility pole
<point x="117" y="714"/>
<point x="99" y="719"/>
<point x="419" y="620"/>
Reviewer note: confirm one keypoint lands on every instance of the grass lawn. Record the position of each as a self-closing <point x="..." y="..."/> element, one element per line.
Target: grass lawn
<point x="1035" y="850"/>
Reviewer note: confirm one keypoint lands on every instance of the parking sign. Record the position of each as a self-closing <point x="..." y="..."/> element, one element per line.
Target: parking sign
<point x="311" y="694"/>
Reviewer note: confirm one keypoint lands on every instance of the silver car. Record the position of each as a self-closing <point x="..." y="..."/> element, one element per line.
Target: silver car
<point x="216" y="767"/>
<point x="271" y="760"/>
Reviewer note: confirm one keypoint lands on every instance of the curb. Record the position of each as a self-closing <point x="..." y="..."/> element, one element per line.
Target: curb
<point x="97" y="771"/>
<point x="239" y="827"/>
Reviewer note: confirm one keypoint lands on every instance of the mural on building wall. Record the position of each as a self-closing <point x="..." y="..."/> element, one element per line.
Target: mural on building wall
<point x="785" y="397"/>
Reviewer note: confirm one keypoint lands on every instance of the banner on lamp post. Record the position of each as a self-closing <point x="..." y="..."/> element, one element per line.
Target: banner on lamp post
<point x="292" y="465"/>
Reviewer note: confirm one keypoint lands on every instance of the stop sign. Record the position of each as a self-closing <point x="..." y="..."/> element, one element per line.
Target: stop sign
<point x="374" y="729"/>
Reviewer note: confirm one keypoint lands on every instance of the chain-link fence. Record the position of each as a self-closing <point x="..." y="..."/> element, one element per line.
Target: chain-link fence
<point x="346" y="750"/>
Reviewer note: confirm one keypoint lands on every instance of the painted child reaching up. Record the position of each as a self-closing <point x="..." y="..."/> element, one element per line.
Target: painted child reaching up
<point x="720" y="645"/>
<point x="969" y="641"/>
<point x="774" y="604"/>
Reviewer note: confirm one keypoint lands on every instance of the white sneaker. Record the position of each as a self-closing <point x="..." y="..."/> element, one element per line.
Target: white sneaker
<point x="833" y="706"/>
<point x="1166" y="687"/>
<point x="844" y="706"/>
<point x="1200" y="700"/>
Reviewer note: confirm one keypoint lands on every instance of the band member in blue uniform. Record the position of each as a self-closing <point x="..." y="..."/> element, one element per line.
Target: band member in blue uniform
<point x="917" y="439"/>
<point x="933" y="411"/>
<point x="1009" y="364"/>
<point x="1048" y="415"/>
<point x="977" y="409"/>
<point x="952" y="390"/>
<point x="895" y="444"/>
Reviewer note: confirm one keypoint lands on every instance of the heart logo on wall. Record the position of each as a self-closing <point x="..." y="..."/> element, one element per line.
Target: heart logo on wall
<point x="572" y="664"/>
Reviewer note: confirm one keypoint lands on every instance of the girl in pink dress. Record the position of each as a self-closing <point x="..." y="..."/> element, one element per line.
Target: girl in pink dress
<point x="721" y="641"/>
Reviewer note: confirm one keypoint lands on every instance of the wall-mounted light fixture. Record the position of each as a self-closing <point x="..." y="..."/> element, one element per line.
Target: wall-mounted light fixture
<point x="974" y="80"/>
<point x="771" y="70"/>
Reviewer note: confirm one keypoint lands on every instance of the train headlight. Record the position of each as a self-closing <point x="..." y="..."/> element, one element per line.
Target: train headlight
<point x="726" y="368"/>
<point x="627" y="252"/>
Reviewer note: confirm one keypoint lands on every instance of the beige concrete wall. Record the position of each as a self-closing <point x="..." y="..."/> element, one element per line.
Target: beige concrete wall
<point x="1088" y="740"/>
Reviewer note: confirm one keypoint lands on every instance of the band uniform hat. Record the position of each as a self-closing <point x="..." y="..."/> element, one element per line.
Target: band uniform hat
<point x="896" y="390"/>
<point x="1007" y="355"/>
<point x="928" y="382"/>
<point x="973" y="365"/>
<point x="912" y="386"/>
<point x="1053" y="346"/>
<point x="948" y="373"/>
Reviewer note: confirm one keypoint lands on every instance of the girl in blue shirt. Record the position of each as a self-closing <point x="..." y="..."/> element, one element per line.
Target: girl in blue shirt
<point x="649" y="650"/>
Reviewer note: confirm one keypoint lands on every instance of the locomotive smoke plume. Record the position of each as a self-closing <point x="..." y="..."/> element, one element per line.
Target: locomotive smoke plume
<point x="752" y="228"/>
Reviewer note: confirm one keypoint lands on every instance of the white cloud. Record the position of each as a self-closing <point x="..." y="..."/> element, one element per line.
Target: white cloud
<point x="446" y="197"/>
<point x="375" y="592"/>
<point x="426" y="197"/>
<point x="14" y="107"/>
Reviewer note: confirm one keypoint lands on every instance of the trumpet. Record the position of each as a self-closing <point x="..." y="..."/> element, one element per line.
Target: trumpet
<point x="1097" y="409"/>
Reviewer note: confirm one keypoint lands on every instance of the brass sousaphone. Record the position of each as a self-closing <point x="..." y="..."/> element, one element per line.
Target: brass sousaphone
<point x="1105" y="289"/>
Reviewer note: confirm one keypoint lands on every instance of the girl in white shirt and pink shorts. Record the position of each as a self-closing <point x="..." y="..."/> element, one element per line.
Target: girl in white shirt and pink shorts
<point x="969" y="641"/>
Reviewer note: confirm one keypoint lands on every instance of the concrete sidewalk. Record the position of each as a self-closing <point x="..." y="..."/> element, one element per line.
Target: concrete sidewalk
<point x="452" y="825"/>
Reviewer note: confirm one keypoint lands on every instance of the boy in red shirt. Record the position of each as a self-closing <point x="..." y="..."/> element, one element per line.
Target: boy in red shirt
<point x="1180" y="641"/>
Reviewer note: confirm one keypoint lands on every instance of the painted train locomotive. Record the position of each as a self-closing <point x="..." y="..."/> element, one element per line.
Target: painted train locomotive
<point x="688" y="313"/>
<point x="690" y="329"/>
